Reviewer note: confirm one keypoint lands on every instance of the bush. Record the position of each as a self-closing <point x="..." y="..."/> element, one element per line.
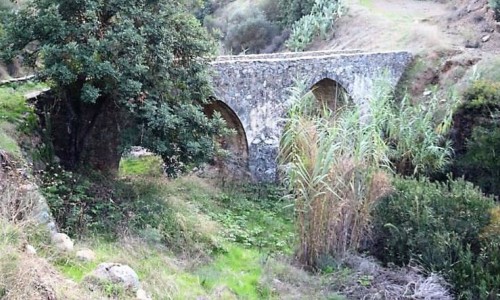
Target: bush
<point x="317" y="23"/>
<point x="292" y="11"/>
<point x="84" y="204"/>
<point x="477" y="136"/>
<point x="249" y="32"/>
<point x="440" y="226"/>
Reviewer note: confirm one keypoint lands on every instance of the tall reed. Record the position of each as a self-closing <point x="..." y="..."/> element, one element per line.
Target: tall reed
<point x="337" y="164"/>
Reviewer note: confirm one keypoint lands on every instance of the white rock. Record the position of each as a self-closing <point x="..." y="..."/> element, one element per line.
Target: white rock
<point x="142" y="295"/>
<point x="85" y="255"/>
<point x="118" y="274"/>
<point x="30" y="249"/>
<point x="62" y="242"/>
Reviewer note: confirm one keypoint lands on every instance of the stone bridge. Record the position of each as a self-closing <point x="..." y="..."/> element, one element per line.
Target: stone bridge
<point x="251" y="94"/>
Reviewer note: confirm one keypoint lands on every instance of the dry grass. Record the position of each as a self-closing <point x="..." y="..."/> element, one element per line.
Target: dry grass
<point x="369" y="280"/>
<point x="26" y="276"/>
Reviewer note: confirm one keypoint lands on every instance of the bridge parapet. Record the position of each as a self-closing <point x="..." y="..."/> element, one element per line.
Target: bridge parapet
<point x="282" y="55"/>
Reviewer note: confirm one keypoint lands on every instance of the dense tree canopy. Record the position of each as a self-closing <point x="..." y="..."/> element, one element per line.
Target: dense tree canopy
<point x="123" y="72"/>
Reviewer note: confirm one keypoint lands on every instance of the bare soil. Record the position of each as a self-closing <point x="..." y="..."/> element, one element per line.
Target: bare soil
<point x="454" y="40"/>
<point x="382" y="25"/>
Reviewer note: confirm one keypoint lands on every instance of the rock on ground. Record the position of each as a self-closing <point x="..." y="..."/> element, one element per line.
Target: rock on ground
<point x="117" y="274"/>
<point x="85" y="255"/>
<point x="62" y="242"/>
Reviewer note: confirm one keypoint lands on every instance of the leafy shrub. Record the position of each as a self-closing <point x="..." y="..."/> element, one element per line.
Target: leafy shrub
<point x="440" y="226"/>
<point x="249" y="31"/>
<point x="477" y="136"/>
<point x="317" y="23"/>
<point x="481" y="95"/>
<point x="291" y="11"/>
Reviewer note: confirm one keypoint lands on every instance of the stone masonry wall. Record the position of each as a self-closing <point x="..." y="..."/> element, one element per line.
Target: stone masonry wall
<point x="255" y="88"/>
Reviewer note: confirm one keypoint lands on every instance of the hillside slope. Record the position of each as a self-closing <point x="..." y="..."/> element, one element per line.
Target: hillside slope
<point x="454" y="41"/>
<point x="380" y="25"/>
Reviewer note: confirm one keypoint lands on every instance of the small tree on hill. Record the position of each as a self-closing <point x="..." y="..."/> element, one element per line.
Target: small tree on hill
<point x="122" y="72"/>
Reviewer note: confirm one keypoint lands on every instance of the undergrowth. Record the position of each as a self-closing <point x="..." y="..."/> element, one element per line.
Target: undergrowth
<point x="450" y="228"/>
<point x="16" y="115"/>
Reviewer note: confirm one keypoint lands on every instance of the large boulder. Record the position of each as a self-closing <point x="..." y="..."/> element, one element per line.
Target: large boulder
<point x="62" y="242"/>
<point x="115" y="273"/>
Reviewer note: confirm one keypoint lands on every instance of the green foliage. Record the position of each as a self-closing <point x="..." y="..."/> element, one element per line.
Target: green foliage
<point x="477" y="124"/>
<point x="495" y="5"/>
<point x="95" y="204"/>
<point x="13" y="106"/>
<point x="317" y="23"/>
<point x="16" y="115"/>
<point x="292" y="11"/>
<point x="8" y="144"/>
<point x="246" y="218"/>
<point x="418" y="136"/>
<point x="245" y="213"/>
<point x="482" y="95"/>
<point x="249" y="32"/>
<point x="439" y="226"/>
<point x="131" y="60"/>
<point x="482" y="161"/>
<point x="238" y="269"/>
<point x="146" y="165"/>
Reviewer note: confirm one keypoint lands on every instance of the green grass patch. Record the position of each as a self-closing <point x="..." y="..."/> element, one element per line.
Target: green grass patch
<point x="239" y="270"/>
<point x="15" y="112"/>
<point x="246" y="213"/>
<point x="8" y="144"/>
<point x="13" y="106"/>
<point x="75" y="270"/>
<point x="144" y="165"/>
<point x="160" y="273"/>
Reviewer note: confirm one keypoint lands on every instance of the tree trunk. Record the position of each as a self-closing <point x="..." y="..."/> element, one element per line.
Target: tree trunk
<point x="100" y="141"/>
<point x="84" y="136"/>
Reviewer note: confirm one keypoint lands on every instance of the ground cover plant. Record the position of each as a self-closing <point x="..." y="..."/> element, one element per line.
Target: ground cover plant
<point x="444" y="227"/>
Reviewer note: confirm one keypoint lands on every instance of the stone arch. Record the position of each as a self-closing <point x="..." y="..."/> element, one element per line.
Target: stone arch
<point x="236" y="144"/>
<point x="330" y="93"/>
